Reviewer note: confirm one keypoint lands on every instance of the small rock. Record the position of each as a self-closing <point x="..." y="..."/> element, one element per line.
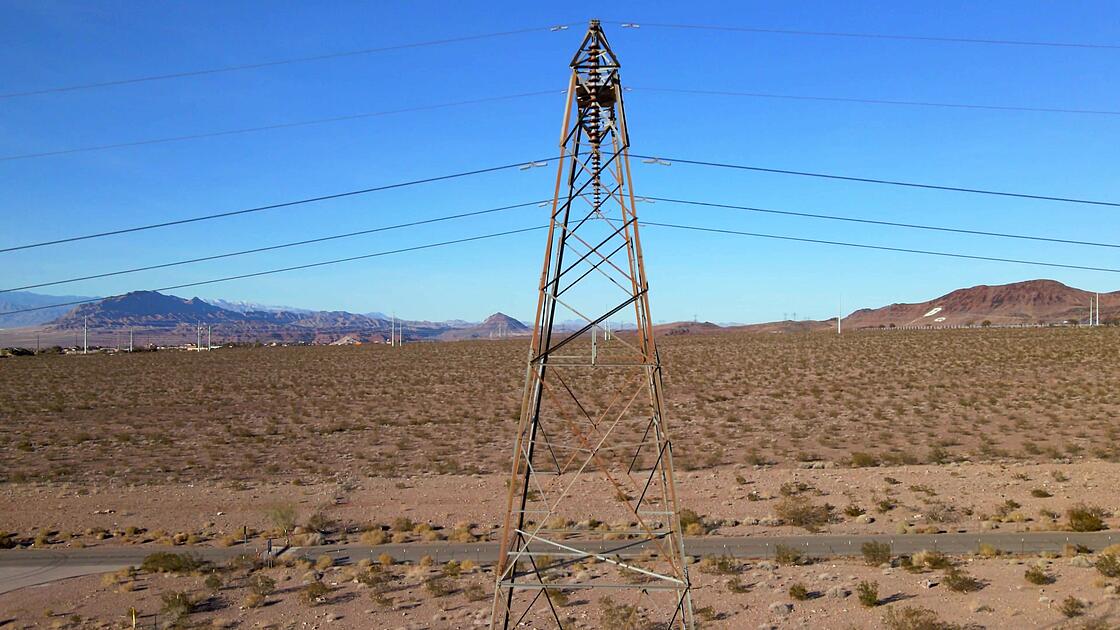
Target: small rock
<point x="1045" y="601"/>
<point x="864" y="519"/>
<point x="1081" y="561"/>
<point x="928" y="583"/>
<point x="781" y="608"/>
<point x="837" y="592"/>
<point x="978" y="607"/>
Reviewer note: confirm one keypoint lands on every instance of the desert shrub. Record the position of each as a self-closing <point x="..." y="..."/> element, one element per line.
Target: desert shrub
<point x="860" y="459"/>
<point x="691" y="523"/>
<point x="373" y="537"/>
<point x="868" y="593"/>
<point x="320" y="522"/>
<point x="1040" y="493"/>
<point x="986" y="550"/>
<point x="438" y="587"/>
<point x="800" y="511"/>
<point x="1072" y="607"/>
<point x="852" y="511"/>
<point x="176" y="604"/>
<point x="164" y="562"/>
<point x="876" y="553"/>
<point x="283" y="517"/>
<point x="403" y="524"/>
<point x="558" y="597"/>
<point x="1084" y="518"/>
<point x="914" y="618"/>
<point x="213" y="582"/>
<point x="385" y="560"/>
<point x="262" y="585"/>
<point x="476" y="593"/>
<point x="718" y="565"/>
<point x="619" y="616"/>
<point x="735" y="585"/>
<point x="799" y="592"/>
<point x="960" y="582"/>
<point x="1037" y="575"/>
<point x="253" y="600"/>
<point x="929" y="559"/>
<point x="324" y="562"/>
<point x="314" y="593"/>
<point x="1108" y="564"/>
<point x="784" y="554"/>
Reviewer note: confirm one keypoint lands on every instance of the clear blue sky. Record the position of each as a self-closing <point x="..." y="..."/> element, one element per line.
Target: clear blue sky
<point x="719" y="278"/>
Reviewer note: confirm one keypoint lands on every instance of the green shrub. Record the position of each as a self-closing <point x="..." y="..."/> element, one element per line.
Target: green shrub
<point x="164" y="562"/>
<point x="1084" y="518"/>
<point x="1108" y="564"/>
<point x="735" y="585"/>
<point x="283" y="517"/>
<point x="868" y="593"/>
<point x="1072" y="607"/>
<point x="960" y="582"/>
<point x="438" y="587"/>
<point x="619" y="616"/>
<point x="876" y="553"/>
<point x="176" y="605"/>
<point x="213" y="582"/>
<point x="1040" y="493"/>
<point x="799" y="592"/>
<point x="863" y="460"/>
<point x="718" y="565"/>
<point x="800" y="511"/>
<point x="784" y="554"/>
<point x="913" y="618"/>
<point x="1037" y="575"/>
<point x="262" y="585"/>
<point x="314" y="593"/>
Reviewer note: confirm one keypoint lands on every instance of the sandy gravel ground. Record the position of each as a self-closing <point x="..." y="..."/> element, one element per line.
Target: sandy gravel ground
<point x="739" y="500"/>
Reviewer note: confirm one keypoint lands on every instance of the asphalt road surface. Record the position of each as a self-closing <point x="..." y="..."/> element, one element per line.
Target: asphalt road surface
<point x="20" y="568"/>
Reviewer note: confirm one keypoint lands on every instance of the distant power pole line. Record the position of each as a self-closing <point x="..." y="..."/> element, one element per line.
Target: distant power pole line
<point x="85" y="335"/>
<point x="130" y="340"/>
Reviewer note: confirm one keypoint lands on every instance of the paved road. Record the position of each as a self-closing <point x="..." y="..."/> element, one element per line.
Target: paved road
<point x="29" y="567"/>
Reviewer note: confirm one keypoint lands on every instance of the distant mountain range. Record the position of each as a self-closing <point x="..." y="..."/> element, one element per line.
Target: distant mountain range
<point x="172" y="319"/>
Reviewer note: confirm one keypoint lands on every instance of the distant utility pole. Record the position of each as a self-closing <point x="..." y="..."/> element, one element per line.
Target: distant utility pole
<point x="85" y="335"/>
<point x="130" y="340"/>
<point x="1098" y="309"/>
<point x="198" y="336"/>
<point x="209" y="345"/>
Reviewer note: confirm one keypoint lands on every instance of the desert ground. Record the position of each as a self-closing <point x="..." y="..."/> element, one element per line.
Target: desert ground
<point x="885" y="432"/>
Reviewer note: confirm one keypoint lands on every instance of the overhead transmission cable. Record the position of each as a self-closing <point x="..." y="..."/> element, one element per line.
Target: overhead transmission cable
<point x="913" y="226"/>
<point x="869" y="180"/>
<point x="539" y="202"/>
<point x="880" y="36"/>
<point x="289" y="125"/>
<point x="879" y="101"/>
<point x="273" y="247"/>
<point x="904" y="250"/>
<point x="645" y="223"/>
<point x="279" y="62"/>
<point x="274" y="206"/>
<point x="323" y="263"/>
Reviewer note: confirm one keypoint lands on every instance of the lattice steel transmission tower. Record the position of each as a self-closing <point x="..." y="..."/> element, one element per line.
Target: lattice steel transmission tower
<point x="592" y="504"/>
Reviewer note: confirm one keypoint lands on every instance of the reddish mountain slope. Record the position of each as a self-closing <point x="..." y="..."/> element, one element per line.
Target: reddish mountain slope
<point x="1030" y="302"/>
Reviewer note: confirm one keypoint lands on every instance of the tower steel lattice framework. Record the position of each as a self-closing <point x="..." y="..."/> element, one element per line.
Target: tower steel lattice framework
<point x="592" y="507"/>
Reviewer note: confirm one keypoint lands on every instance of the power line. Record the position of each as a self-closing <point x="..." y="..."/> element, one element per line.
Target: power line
<point x="868" y="180"/>
<point x="301" y="123"/>
<point x="271" y="247"/>
<point x="298" y="267"/>
<point x="879" y="247"/>
<point x="274" y="206"/>
<point x="882" y="36"/>
<point x="876" y="101"/>
<point x="279" y="62"/>
<point x="914" y="226"/>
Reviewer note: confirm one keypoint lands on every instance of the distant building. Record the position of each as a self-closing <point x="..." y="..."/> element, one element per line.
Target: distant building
<point x="346" y="341"/>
